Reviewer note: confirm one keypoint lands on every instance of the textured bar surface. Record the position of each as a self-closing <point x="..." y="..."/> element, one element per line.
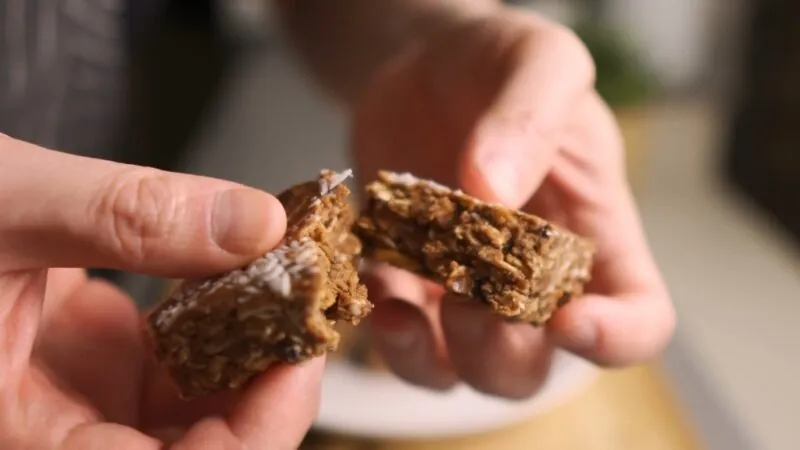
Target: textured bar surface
<point x="219" y="333"/>
<point x="523" y="267"/>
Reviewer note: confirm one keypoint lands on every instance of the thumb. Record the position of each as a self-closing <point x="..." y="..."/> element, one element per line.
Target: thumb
<point x="507" y="160"/>
<point x="61" y="210"/>
<point x="515" y="142"/>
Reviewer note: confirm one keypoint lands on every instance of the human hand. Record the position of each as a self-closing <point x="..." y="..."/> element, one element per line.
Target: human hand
<point x="74" y="370"/>
<point x="504" y="108"/>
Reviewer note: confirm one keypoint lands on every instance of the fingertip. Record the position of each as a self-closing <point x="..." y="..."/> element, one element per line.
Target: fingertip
<point x="402" y="330"/>
<point x="276" y="410"/>
<point x="509" y="360"/>
<point x="303" y="379"/>
<point x="473" y="179"/>
<point x="247" y="221"/>
<point x="614" y="332"/>
<point x="506" y="159"/>
<point x="280" y="405"/>
<point x="408" y="345"/>
<point x="574" y="328"/>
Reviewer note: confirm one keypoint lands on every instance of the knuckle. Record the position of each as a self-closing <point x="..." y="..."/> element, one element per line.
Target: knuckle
<point x="136" y="209"/>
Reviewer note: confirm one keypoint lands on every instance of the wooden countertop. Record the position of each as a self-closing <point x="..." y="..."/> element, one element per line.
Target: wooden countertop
<point x="629" y="409"/>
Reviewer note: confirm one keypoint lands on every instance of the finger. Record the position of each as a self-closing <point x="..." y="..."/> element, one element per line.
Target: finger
<point x="404" y="325"/>
<point x="278" y="408"/>
<point x="632" y="318"/>
<point x="495" y="357"/>
<point x="548" y="71"/>
<point x="275" y="412"/>
<point x="386" y="282"/>
<point x="68" y="211"/>
<point x="615" y="331"/>
<point x="407" y="344"/>
<point x="162" y="411"/>
<point x="60" y="285"/>
<point x="99" y="436"/>
<point x="628" y="318"/>
<point x="93" y="342"/>
<point x="21" y="296"/>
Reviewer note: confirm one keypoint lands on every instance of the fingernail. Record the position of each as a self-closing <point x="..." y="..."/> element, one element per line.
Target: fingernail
<point x="239" y="220"/>
<point x="502" y="175"/>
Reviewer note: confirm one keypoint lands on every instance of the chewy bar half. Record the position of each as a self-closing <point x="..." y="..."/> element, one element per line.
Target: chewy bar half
<point x="219" y="333"/>
<point x="523" y="267"/>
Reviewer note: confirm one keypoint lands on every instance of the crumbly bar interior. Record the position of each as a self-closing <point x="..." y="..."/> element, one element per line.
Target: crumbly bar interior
<point x="520" y="265"/>
<point x="221" y="332"/>
<point x="320" y="211"/>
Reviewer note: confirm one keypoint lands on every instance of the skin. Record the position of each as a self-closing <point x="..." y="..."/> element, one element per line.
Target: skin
<point x="492" y="100"/>
<point x="501" y="103"/>
<point x="504" y="108"/>
<point x="74" y="370"/>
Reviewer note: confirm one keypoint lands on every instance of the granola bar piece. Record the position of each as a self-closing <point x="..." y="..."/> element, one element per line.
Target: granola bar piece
<point x="523" y="267"/>
<point x="219" y="333"/>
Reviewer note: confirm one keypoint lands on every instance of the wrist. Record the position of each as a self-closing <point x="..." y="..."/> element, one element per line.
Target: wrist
<point x="416" y="22"/>
<point x="344" y="43"/>
<point x="429" y="20"/>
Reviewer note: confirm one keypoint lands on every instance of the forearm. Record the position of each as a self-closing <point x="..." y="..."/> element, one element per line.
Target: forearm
<point x="343" y="42"/>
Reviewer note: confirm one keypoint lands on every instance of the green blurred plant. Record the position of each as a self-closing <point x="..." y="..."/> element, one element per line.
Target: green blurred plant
<point x="622" y="78"/>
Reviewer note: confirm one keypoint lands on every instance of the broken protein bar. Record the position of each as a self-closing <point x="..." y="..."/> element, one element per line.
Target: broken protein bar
<point x="523" y="267"/>
<point x="219" y="333"/>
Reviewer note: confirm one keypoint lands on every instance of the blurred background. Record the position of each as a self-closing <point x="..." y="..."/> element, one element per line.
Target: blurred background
<point x="706" y="93"/>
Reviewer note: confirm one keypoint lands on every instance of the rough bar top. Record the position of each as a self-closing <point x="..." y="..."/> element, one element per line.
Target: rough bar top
<point x="220" y="332"/>
<point x="521" y="265"/>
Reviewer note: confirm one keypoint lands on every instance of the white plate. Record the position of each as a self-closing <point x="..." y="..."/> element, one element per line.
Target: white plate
<point x="357" y="402"/>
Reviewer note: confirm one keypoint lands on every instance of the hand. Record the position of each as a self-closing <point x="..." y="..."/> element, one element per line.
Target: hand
<point x="74" y="372"/>
<point x="504" y="108"/>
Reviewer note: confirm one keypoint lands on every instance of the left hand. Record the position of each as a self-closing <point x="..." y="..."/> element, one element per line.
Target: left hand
<point x="75" y="372"/>
<point x="504" y="108"/>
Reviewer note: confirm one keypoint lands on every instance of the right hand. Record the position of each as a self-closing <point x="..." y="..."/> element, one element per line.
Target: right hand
<point x="74" y="371"/>
<point x="504" y="108"/>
